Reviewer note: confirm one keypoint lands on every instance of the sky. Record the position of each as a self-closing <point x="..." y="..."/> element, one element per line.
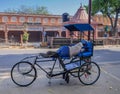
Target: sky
<point x="57" y="7"/>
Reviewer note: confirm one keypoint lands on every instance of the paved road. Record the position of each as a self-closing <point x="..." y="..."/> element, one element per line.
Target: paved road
<point x="8" y="57"/>
<point x="109" y="82"/>
<point x="107" y="55"/>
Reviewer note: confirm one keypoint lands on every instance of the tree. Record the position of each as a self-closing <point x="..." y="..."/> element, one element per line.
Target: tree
<point x="41" y="10"/>
<point x="29" y="10"/>
<point x="25" y="37"/>
<point x="109" y="8"/>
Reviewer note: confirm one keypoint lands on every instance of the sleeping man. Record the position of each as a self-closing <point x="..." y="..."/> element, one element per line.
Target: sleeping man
<point x="69" y="51"/>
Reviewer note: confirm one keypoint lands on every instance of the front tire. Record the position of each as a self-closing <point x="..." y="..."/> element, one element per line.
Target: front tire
<point x="23" y="73"/>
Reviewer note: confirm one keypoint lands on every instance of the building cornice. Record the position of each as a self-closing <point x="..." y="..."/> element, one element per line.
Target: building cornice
<point x="23" y="14"/>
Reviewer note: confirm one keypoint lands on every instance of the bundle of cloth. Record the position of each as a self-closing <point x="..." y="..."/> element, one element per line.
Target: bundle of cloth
<point x="75" y="49"/>
<point x="69" y="51"/>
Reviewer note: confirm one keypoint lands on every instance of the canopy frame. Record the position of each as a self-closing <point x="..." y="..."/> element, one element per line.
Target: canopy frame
<point x="80" y="28"/>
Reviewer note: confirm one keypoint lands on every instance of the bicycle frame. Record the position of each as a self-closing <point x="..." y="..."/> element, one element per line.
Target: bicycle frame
<point x="37" y="59"/>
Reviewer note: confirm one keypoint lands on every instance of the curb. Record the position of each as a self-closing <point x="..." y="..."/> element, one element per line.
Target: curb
<point x="107" y="46"/>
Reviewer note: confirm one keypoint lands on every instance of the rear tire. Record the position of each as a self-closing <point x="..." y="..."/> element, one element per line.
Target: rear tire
<point x="23" y="73"/>
<point x="89" y="73"/>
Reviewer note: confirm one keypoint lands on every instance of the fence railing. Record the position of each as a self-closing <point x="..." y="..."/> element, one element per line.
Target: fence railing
<point x="56" y="42"/>
<point x="108" y="41"/>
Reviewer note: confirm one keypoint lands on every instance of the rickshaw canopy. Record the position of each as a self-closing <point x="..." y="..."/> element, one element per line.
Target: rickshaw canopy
<point x="79" y="27"/>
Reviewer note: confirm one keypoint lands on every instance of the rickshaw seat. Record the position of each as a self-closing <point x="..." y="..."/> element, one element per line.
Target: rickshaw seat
<point x="88" y="50"/>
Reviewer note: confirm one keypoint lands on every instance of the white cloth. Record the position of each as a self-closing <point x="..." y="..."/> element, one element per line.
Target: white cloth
<point x="74" y="50"/>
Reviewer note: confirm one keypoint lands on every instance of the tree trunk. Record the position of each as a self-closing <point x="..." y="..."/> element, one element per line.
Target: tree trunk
<point x="113" y="30"/>
<point x="114" y="23"/>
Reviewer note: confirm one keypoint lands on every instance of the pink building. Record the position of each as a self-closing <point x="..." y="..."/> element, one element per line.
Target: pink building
<point x="81" y="16"/>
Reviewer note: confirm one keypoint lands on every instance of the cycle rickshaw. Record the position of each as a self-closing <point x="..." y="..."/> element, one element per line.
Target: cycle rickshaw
<point x="80" y="65"/>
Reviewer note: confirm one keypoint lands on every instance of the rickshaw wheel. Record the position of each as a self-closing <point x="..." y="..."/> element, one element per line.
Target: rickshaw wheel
<point x="89" y="73"/>
<point x="23" y="73"/>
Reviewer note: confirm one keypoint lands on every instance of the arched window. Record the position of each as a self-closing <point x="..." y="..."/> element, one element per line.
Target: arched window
<point x="52" y="20"/>
<point x="45" y="20"/>
<point x="30" y="19"/>
<point x="13" y="19"/>
<point x="4" y="19"/>
<point x="38" y="20"/>
<point x="59" y="20"/>
<point x="22" y="19"/>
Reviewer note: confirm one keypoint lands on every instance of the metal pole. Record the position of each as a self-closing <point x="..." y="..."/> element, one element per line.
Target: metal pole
<point x="89" y="18"/>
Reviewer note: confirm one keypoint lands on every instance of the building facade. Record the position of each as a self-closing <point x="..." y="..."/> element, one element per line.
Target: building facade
<point x="12" y="26"/>
<point x="40" y="27"/>
<point x="105" y="24"/>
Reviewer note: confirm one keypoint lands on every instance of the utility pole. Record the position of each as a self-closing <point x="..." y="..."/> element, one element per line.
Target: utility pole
<point x="89" y="18"/>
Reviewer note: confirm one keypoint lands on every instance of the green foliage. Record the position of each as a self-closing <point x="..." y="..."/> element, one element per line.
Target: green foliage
<point x="41" y="10"/>
<point x="109" y="8"/>
<point x="105" y="6"/>
<point x="25" y="37"/>
<point x="86" y="7"/>
<point x="29" y="10"/>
